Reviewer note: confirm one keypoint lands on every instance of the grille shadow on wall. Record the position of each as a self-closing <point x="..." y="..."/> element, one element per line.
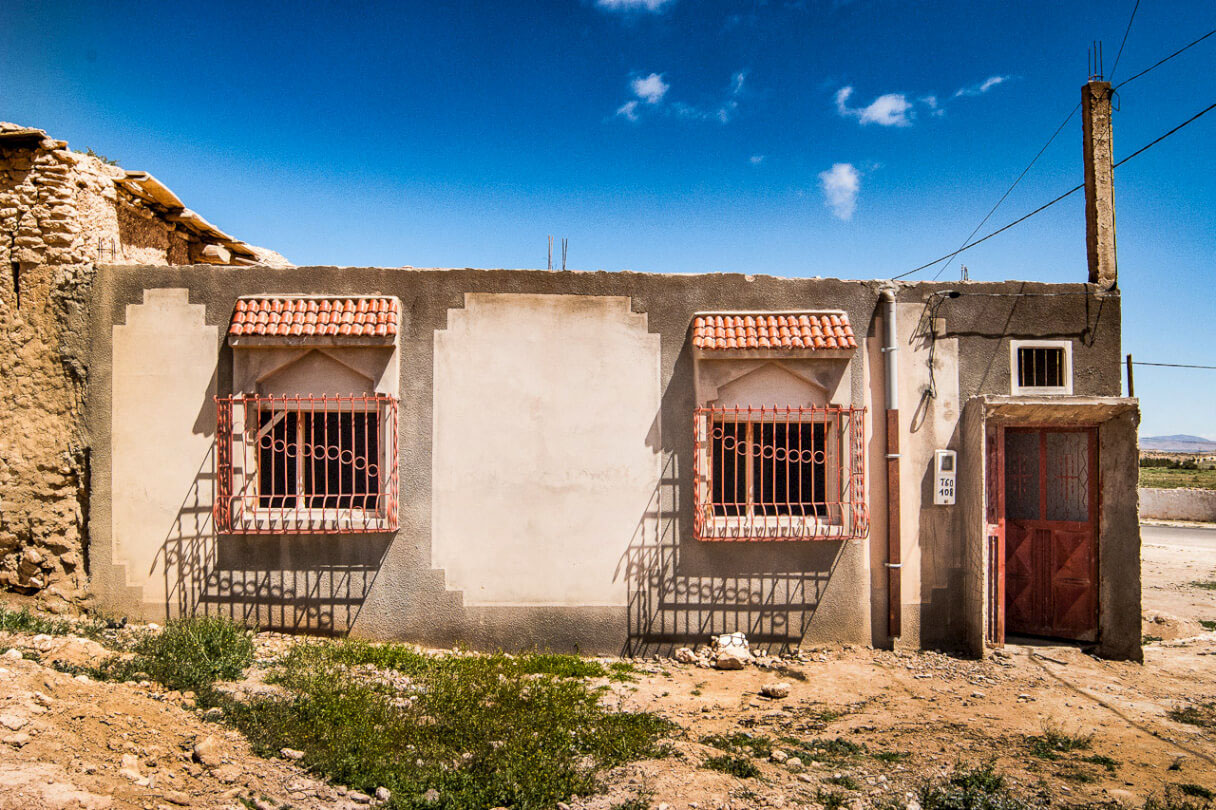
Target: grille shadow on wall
<point x="301" y="583"/>
<point x="681" y="591"/>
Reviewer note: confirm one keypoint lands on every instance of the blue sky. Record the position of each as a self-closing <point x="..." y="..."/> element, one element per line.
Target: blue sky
<point x="853" y="139"/>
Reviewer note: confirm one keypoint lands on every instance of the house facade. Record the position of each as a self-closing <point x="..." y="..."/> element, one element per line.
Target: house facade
<point x="613" y="462"/>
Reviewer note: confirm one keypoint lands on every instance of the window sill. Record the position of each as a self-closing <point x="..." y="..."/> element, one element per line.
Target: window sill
<point x="771" y="529"/>
<point x="316" y="521"/>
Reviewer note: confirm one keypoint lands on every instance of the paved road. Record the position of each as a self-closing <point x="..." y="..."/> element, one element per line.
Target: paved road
<point x="1179" y="536"/>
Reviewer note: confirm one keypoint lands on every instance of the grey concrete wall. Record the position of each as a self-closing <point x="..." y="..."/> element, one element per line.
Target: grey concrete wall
<point x="676" y="590"/>
<point x="1178" y="504"/>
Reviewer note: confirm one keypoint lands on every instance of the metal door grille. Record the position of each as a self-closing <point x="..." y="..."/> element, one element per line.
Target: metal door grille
<point x="306" y="464"/>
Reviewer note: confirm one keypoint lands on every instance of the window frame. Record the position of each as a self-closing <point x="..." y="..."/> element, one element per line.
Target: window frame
<point x="1015" y="347"/>
<point x="239" y="506"/>
<point x="842" y="514"/>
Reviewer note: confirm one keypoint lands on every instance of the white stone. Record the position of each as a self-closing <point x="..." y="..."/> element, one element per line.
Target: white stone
<point x="13" y="653"/>
<point x="727" y="641"/>
<point x="13" y="722"/>
<point x="793" y="764"/>
<point x="291" y="753"/>
<point x="778" y="756"/>
<point x="383" y="794"/>
<point x="431" y="796"/>
<point x="732" y="658"/>
<point x="776" y="690"/>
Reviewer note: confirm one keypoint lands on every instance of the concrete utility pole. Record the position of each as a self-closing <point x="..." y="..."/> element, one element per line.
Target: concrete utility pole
<point x="1099" y="184"/>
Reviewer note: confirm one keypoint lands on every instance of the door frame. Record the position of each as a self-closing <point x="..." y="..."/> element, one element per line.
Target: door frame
<point x="996" y="523"/>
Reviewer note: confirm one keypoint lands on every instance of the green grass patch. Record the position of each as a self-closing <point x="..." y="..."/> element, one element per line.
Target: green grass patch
<point x="1206" y="585"/>
<point x="189" y="654"/>
<point x="520" y="731"/>
<point x="890" y="757"/>
<point x="1166" y="478"/>
<point x="833" y="750"/>
<point x="1106" y="762"/>
<point x="24" y="621"/>
<point x="1208" y="624"/>
<point x="980" y="788"/>
<point x="1074" y="773"/>
<point x="1150" y="639"/>
<point x="1196" y="714"/>
<point x="740" y="743"/>
<point x="735" y="766"/>
<point x="1055" y="741"/>
<point x="845" y="781"/>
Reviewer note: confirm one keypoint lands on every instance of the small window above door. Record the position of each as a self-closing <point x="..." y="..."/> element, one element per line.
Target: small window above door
<point x="1041" y="366"/>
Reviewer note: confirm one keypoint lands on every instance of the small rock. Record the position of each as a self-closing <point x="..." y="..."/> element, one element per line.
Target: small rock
<point x="686" y="656"/>
<point x="18" y="740"/>
<point x="977" y="694"/>
<point x="82" y="678"/>
<point x="176" y="797"/>
<point x="359" y="798"/>
<point x="214" y="713"/>
<point x="732" y="658"/>
<point x="383" y="794"/>
<point x="563" y="806"/>
<point x="42" y="699"/>
<point x="776" y="690"/>
<point x="291" y="753"/>
<point x="207" y="751"/>
<point x="13" y="653"/>
<point x="13" y="722"/>
<point x="912" y="804"/>
<point x="431" y="796"/>
<point x="778" y="756"/>
<point x="793" y="764"/>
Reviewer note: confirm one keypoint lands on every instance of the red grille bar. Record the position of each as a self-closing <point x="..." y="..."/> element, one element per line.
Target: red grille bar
<point x="780" y="474"/>
<point x="306" y="464"/>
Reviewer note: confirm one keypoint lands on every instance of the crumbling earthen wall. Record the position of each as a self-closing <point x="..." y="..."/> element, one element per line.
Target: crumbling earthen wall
<point x="60" y="213"/>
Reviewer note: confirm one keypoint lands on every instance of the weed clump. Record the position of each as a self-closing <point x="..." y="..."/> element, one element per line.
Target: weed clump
<point x="735" y="766"/>
<point x="1181" y="797"/>
<point x="980" y="788"/>
<point x="740" y="743"/>
<point x="1197" y="714"/>
<point x="1055" y="741"/>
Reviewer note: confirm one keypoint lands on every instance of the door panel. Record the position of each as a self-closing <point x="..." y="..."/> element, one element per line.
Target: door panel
<point x="1051" y="538"/>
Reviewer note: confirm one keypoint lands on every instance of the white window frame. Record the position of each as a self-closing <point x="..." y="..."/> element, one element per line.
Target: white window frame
<point x="1016" y="345"/>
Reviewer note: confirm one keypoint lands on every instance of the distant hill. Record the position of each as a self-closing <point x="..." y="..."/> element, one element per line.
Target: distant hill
<point x="1180" y="443"/>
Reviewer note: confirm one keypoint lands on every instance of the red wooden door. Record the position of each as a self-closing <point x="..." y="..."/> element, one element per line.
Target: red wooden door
<point x="1051" y="539"/>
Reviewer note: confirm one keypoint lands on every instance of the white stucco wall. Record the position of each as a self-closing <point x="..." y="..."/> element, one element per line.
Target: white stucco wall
<point x="1178" y="504"/>
<point x="162" y="426"/>
<point x="546" y="447"/>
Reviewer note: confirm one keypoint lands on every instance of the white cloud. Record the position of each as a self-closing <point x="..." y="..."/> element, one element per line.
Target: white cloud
<point x="628" y="110"/>
<point x="840" y="185"/>
<point x="982" y="87"/>
<point x="935" y="109"/>
<point x="889" y="110"/>
<point x="653" y="6"/>
<point x="650" y="89"/>
<point x="756" y="160"/>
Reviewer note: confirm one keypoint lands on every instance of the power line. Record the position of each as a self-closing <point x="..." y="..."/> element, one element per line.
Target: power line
<point x="1119" y="55"/>
<point x="1009" y="190"/>
<point x="1066" y="194"/>
<point x="1171" y="365"/>
<point x="1153" y="67"/>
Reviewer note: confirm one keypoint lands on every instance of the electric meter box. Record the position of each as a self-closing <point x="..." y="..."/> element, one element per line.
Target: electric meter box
<point x="945" y="463"/>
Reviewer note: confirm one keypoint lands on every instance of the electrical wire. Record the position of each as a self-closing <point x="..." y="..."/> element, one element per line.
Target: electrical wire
<point x="1171" y="365"/>
<point x="1009" y="190"/>
<point x="1063" y="196"/>
<point x="1166" y="59"/>
<point x="1119" y="55"/>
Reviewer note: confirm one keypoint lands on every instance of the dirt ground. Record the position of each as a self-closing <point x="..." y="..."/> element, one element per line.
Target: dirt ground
<point x="68" y="743"/>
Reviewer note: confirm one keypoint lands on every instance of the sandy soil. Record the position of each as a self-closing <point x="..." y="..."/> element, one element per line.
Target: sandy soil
<point x="67" y="743"/>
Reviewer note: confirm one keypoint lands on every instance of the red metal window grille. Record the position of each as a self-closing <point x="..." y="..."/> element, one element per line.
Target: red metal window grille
<point x="306" y="464"/>
<point x="780" y="474"/>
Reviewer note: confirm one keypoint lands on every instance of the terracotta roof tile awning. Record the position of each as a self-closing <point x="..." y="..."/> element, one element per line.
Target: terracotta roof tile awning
<point x="315" y="317"/>
<point x="798" y="330"/>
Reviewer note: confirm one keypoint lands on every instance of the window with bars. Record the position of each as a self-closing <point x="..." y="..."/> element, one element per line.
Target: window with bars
<point x="306" y="464"/>
<point x="1041" y="367"/>
<point x="780" y="474"/>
